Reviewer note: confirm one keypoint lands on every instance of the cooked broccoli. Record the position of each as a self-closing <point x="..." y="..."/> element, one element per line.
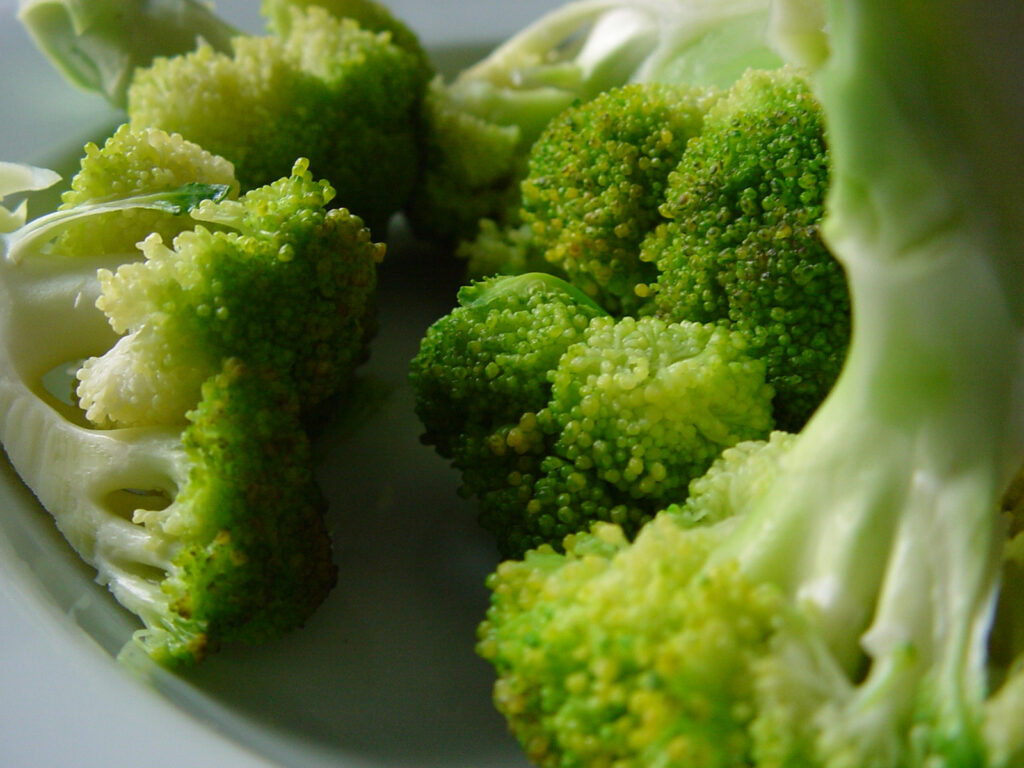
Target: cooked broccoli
<point x="596" y="180"/>
<point x="742" y="244"/>
<point x="183" y="472"/>
<point x="557" y="415"/>
<point x="480" y="126"/>
<point x="849" y="595"/>
<point x="345" y="97"/>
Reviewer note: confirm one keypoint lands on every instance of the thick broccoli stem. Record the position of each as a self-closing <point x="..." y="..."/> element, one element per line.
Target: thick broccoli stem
<point x="885" y="523"/>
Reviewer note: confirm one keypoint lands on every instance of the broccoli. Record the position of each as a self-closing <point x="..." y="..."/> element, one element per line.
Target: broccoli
<point x="479" y="126"/>
<point x="345" y="97"/>
<point x="848" y="595"/>
<point x="596" y="180"/>
<point x="181" y="468"/>
<point x="557" y="415"/>
<point x="741" y="243"/>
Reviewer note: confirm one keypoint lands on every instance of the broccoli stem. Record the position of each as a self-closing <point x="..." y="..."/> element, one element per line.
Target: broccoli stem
<point x="177" y="202"/>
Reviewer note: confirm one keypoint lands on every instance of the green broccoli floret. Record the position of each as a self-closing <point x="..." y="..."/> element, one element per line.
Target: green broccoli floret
<point x="480" y="126"/>
<point x="186" y="477"/>
<point x="742" y="243"/>
<point x="596" y="179"/>
<point x="288" y="287"/>
<point x="344" y="97"/>
<point x="607" y="656"/>
<point x="557" y="415"/>
<point x="848" y="596"/>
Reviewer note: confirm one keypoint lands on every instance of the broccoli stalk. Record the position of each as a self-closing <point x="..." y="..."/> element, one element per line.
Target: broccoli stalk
<point x="850" y="608"/>
<point x="98" y="45"/>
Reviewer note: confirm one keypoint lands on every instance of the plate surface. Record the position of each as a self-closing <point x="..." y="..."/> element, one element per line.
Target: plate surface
<point x="385" y="674"/>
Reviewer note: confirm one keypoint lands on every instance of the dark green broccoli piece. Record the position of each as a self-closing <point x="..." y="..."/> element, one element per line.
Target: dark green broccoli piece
<point x="254" y="556"/>
<point x="557" y="415"/>
<point x="743" y="246"/>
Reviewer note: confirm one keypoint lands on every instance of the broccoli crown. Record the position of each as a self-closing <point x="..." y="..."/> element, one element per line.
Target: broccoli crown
<point x="253" y="555"/>
<point x="344" y="97"/>
<point x="558" y="415"/>
<point x="638" y="654"/>
<point x="742" y="244"/>
<point x="288" y="288"/>
<point x="596" y="179"/>
<point x="133" y="162"/>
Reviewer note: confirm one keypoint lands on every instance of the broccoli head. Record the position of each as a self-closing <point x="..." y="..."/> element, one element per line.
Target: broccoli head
<point x="344" y="97"/>
<point x="596" y="179"/>
<point x="564" y="416"/>
<point x="742" y="243"/>
<point x="184" y="473"/>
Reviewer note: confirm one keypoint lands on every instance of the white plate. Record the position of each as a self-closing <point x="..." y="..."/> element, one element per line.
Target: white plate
<point x="385" y="674"/>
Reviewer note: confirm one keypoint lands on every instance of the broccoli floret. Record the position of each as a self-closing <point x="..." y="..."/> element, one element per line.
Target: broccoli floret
<point x="607" y="655"/>
<point x="186" y="477"/>
<point x="849" y="595"/>
<point x="481" y="125"/>
<point x="597" y="178"/>
<point x="743" y="245"/>
<point x="557" y="415"/>
<point x="288" y="287"/>
<point x="346" y="98"/>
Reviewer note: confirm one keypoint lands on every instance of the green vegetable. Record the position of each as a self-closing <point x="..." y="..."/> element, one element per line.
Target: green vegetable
<point x="848" y="596"/>
<point x="181" y="469"/>
<point x="740" y="241"/>
<point x="480" y="125"/>
<point x="558" y="415"/>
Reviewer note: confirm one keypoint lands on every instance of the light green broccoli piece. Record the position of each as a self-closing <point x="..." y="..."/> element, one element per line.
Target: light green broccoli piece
<point x="346" y="98"/>
<point x="186" y="476"/>
<point x="368" y="14"/>
<point x="557" y="415"/>
<point x="98" y="45"/>
<point x="742" y="243"/>
<point x="638" y="654"/>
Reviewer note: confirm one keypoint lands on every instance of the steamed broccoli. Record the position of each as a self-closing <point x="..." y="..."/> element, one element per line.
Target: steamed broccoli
<point x="596" y="179"/>
<point x="181" y="470"/>
<point x="849" y="595"/>
<point x="557" y="415"/>
<point x="345" y="97"/>
<point x="479" y="127"/>
<point x="741" y="243"/>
